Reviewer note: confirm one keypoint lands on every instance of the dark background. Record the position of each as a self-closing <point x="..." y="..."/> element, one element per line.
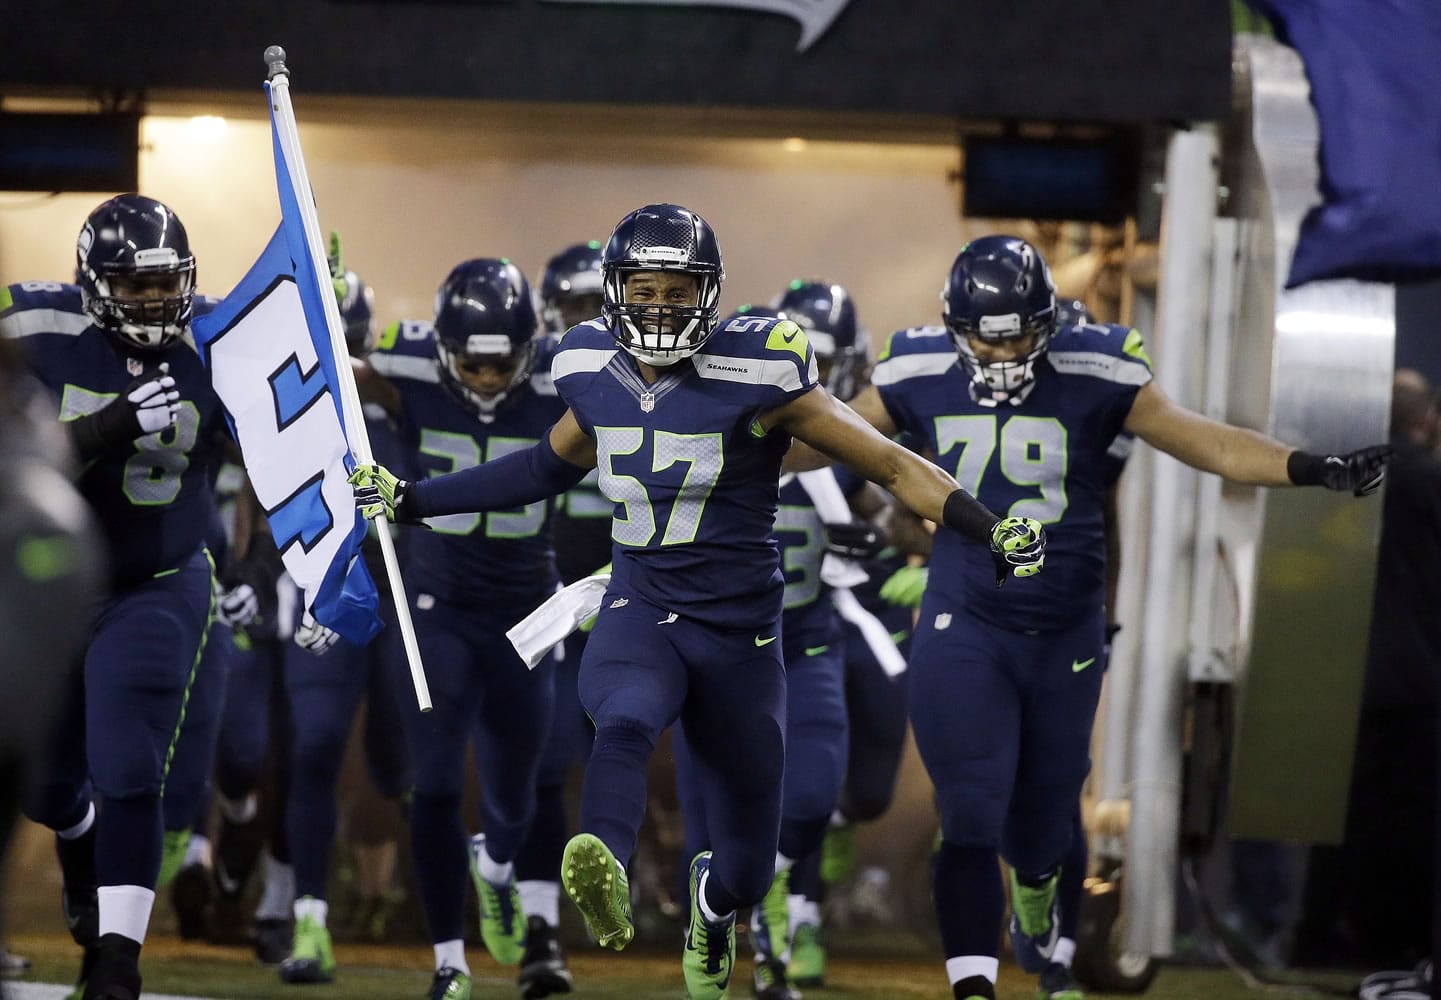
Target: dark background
<point x="1059" y="60"/>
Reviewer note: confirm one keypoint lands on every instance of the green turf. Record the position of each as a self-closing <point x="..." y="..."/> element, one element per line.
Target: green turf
<point x="391" y="973"/>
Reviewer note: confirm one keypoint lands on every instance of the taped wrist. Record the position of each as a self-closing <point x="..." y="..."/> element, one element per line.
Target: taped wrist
<point x="513" y="480"/>
<point x="967" y="515"/>
<point x="112" y="425"/>
<point x="1306" y="469"/>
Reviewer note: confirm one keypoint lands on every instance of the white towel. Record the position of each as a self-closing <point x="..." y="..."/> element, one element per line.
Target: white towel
<point x="875" y="634"/>
<point x="561" y="614"/>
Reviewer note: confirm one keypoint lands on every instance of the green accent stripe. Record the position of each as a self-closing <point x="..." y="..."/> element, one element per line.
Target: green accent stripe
<point x="190" y="681"/>
<point x="166" y="572"/>
<point x="6" y="299"/>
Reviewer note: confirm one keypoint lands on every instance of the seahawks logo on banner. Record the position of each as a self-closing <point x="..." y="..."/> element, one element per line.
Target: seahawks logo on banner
<point x="814" y="16"/>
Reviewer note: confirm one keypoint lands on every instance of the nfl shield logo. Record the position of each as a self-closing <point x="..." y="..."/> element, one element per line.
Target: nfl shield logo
<point x="647" y="402"/>
<point x="134" y="366"/>
<point x="943" y="621"/>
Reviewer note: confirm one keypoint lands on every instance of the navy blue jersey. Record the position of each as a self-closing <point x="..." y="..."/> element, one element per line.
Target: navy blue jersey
<point x="691" y="475"/>
<point x="1046" y="459"/>
<point x="502" y="558"/>
<point x="153" y="498"/>
<point x="879" y="568"/>
<point x="810" y="619"/>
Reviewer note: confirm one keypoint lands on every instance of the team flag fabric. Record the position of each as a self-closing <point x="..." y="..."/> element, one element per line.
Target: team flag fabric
<point x="1375" y="74"/>
<point x="269" y="352"/>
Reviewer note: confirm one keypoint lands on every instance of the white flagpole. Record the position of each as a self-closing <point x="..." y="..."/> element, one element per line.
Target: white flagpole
<point x="354" y="416"/>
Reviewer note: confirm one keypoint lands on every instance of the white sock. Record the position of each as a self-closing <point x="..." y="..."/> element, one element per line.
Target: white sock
<point x="492" y="870"/>
<point x="451" y="955"/>
<point x="540" y="899"/>
<point x="802" y="911"/>
<point x="783" y="863"/>
<point x="239" y="812"/>
<point x="1065" y="951"/>
<point x="972" y="965"/>
<point x="197" y="852"/>
<point x="79" y="829"/>
<point x="125" y="910"/>
<point x="279" y="891"/>
<point x="309" y="906"/>
<point x="710" y="916"/>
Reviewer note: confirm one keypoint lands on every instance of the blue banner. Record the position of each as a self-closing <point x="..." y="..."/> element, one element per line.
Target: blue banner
<point x="1375" y="73"/>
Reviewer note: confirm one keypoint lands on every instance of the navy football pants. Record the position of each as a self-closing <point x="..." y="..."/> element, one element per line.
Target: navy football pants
<point x="640" y="674"/>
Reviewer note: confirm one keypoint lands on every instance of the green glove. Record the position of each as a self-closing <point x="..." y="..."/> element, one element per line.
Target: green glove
<point x="377" y="491"/>
<point x="906" y="586"/>
<point x="337" y="267"/>
<point x="1018" y="545"/>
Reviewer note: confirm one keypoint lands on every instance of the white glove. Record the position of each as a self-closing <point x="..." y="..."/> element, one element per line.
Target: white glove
<point x="314" y="637"/>
<point x="155" y="401"/>
<point x="238" y="606"/>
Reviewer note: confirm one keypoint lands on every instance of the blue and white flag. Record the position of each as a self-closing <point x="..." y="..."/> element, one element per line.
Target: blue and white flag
<point x="269" y="352"/>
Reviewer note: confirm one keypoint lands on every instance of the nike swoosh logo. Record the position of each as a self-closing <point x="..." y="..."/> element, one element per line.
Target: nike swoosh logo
<point x="788" y="337"/>
<point x="765" y="642"/>
<point x="1078" y="665"/>
<point x="816" y="650"/>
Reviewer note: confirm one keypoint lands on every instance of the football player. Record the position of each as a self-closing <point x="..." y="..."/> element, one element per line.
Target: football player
<point x="1004" y="684"/>
<point x="570" y="293"/>
<point x="324" y="694"/>
<point x="115" y="350"/>
<point x="469" y="389"/>
<point x="689" y="431"/>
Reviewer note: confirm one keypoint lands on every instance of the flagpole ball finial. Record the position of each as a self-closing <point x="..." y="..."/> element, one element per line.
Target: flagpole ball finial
<point x="275" y="62"/>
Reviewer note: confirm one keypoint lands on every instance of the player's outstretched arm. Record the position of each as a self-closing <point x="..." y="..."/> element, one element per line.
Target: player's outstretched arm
<point x="546" y="469"/>
<point x="1247" y="456"/>
<point x="835" y="430"/>
<point x="802" y="457"/>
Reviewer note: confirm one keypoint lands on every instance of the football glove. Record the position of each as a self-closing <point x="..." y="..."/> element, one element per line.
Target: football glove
<point x="1018" y="545"/>
<point x="906" y="586"/>
<point x="854" y="540"/>
<point x="148" y="404"/>
<point x="238" y="606"/>
<point x="1359" y="472"/>
<point x="314" y="637"/>
<point x="378" y="491"/>
<point x="337" y="267"/>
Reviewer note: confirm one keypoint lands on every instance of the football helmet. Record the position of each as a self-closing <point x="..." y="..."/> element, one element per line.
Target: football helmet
<point x="485" y="330"/>
<point x="1072" y="312"/>
<point x="1000" y="293"/>
<point x="135" y="271"/>
<point x="828" y="315"/>
<point x="357" y="314"/>
<point x="671" y="240"/>
<point x="570" y="288"/>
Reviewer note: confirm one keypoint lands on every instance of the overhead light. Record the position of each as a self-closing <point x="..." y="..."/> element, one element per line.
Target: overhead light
<point x="207" y="128"/>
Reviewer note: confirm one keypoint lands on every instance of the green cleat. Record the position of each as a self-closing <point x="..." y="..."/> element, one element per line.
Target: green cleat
<point x="770" y="921"/>
<point x="449" y="984"/>
<point x="838" y="854"/>
<point x="710" y="949"/>
<point x="1057" y="983"/>
<point x="311" y="958"/>
<point x="502" y="922"/>
<point x="1035" y="922"/>
<point x="172" y="855"/>
<point x="807" y="966"/>
<point x="598" y="886"/>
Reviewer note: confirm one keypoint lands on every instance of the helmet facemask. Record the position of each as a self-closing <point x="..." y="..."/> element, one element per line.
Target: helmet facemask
<point x="662" y="333"/>
<point x="494" y="351"/>
<point x="149" y="303"/>
<point x="1007" y="381"/>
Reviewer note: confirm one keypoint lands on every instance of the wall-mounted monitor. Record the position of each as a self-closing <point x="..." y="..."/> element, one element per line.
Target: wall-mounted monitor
<point x="69" y="152"/>
<point x="1087" y="180"/>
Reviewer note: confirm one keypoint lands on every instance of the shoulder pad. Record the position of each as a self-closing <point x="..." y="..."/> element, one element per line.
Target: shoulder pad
<point x="584" y="348"/>
<point x="1107" y="351"/>
<point x="31" y="307"/>
<point x="914" y="353"/>
<point x="917" y="340"/>
<point x="760" y="350"/>
<point x="406" y="349"/>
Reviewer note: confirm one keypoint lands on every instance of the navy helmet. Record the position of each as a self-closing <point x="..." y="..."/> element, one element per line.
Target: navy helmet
<point x="357" y="314"/>
<point x="484" y="318"/>
<point x="1000" y="291"/>
<point x="828" y="315"/>
<point x="1072" y="312"/>
<point x="135" y="271"/>
<point x="570" y="288"/>
<point x="666" y="238"/>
